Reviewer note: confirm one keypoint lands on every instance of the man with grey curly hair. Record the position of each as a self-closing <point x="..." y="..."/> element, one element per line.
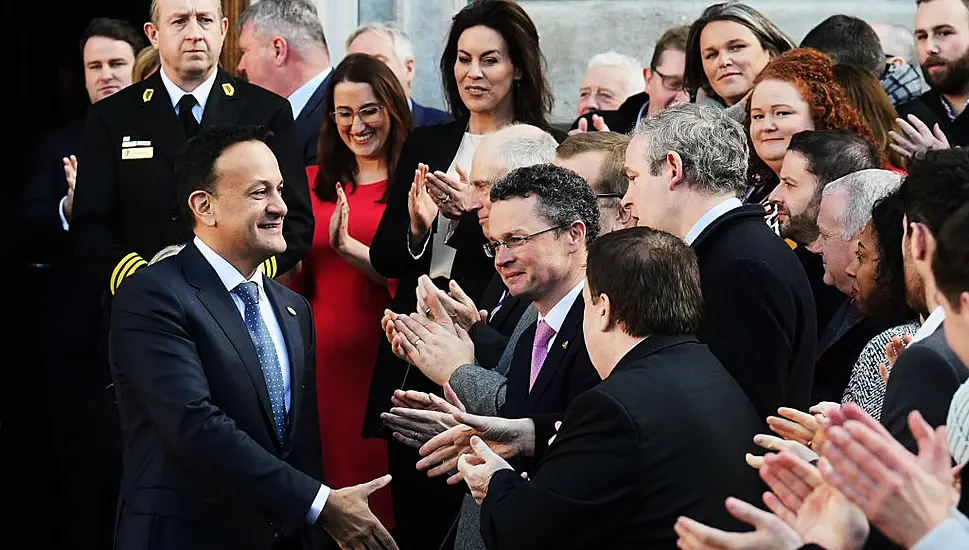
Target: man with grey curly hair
<point x="686" y="167"/>
<point x="284" y="51"/>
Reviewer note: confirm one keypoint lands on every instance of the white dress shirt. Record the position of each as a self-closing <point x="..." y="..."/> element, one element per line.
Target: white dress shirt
<point x="556" y="315"/>
<point x="302" y="95"/>
<point x="201" y="93"/>
<point x="231" y="278"/>
<point x="710" y="217"/>
<point x="931" y="324"/>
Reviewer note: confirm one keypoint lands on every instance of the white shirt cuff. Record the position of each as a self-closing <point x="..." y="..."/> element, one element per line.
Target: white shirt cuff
<point x="60" y="210"/>
<point x="951" y="533"/>
<point x="427" y="239"/>
<point x="318" y="503"/>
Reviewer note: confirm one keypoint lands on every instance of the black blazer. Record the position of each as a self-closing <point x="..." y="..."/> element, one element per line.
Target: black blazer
<point x="491" y="338"/>
<point x="924" y="378"/>
<point x="309" y="122"/>
<point x="623" y="119"/>
<point x="428" y="116"/>
<point x="837" y="358"/>
<point x="566" y="372"/>
<point x="389" y="255"/>
<point x="125" y="209"/>
<point x="625" y="463"/>
<point x="203" y="467"/>
<point x="759" y="311"/>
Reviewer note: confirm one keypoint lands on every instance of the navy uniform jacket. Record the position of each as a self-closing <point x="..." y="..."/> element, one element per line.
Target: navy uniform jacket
<point x="428" y="116"/>
<point x="203" y="466"/>
<point x="124" y="204"/>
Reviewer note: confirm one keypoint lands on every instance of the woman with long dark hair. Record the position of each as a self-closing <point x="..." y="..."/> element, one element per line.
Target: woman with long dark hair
<point x="493" y="74"/>
<point x="366" y="121"/>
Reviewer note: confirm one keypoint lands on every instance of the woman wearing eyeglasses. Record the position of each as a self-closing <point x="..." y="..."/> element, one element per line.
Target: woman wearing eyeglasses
<point x="366" y="120"/>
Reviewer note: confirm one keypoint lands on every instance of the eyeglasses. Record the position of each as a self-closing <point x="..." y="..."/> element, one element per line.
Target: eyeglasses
<point x="610" y="195"/>
<point x="491" y="249"/>
<point x="369" y="114"/>
<point x="673" y="83"/>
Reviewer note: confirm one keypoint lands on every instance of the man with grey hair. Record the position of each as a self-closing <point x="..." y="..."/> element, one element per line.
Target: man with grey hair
<point x="609" y="79"/>
<point x="686" y="167"/>
<point x="284" y="51"/>
<point x="845" y="210"/>
<point x="901" y="79"/>
<point x="390" y="44"/>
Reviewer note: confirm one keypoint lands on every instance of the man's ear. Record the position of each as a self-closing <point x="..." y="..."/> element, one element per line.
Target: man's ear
<point x="151" y="31"/>
<point x="646" y="73"/>
<point x="577" y="231"/>
<point x="603" y="313"/>
<point x="280" y="50"/>
<point x="202" y="208"/>
<point x="919" y="241"/>
<point x="896" y="61"/>
<point x="675" y="165"/>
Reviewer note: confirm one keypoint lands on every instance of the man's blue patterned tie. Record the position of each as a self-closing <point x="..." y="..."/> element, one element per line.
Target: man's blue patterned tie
<point x="249" y="293"/>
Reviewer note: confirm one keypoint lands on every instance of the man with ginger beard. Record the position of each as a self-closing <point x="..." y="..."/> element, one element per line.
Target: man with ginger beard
<point x="942" y="41"/>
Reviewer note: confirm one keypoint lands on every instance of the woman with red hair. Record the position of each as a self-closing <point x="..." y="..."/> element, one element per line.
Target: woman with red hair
<point x="795" y="92"/>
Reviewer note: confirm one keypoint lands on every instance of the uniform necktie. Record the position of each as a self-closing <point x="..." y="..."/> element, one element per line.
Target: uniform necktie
<point x="271" y="370"/>
<point x="189" y="125"/>
<point x="543" y="335"/>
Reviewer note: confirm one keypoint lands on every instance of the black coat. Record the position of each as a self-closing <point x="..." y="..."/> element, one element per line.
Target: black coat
<point x="924" y="378"/>
<point x="566" y="372"/>
<point x="309" y="122"/>
<point x="759" y="311"/>
<point x="203" y="467"/>
<point x="491" y="338"/>
<point x="435" y="146"/>
<point x="623" y="119"/>
<point x="125" y="209"/>
<point x="625" y="463"/>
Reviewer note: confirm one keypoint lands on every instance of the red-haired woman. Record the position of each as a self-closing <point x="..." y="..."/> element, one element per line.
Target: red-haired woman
<point x="365" y="124"/>
<point x="795" y="92"/>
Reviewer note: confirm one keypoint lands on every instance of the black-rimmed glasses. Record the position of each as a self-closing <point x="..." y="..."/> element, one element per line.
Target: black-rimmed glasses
<point x="673" y="83"/>
<point x="369" y="114"/>
<point x="491" y="249"/>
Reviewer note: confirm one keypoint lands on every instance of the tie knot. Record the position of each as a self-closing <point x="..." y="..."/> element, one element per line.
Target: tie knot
<point x="248" y="292"/>
<point x="543" y="333"/>
<point x="186" y="103"/>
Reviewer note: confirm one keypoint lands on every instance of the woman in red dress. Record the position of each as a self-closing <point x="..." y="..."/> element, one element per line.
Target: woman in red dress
<point x="365" y="123"/>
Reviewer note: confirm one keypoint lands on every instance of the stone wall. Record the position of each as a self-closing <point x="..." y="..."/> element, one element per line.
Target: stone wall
<point x="574" y="30"/>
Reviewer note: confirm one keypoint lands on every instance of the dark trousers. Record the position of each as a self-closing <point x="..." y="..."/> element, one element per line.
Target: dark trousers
<point x="425" y="509"/>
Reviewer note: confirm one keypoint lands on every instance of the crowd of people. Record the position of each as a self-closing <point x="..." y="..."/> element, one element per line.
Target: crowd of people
<point x="725" y="308"/>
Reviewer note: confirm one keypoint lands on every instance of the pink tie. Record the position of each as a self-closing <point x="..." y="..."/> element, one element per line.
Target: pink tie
<point x="543" y="334"/>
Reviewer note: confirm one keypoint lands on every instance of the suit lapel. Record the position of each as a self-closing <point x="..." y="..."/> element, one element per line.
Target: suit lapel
<point x="289" y="324"/>
<point x="216" y="299"/>
<point x="562" y="346"/>
<point x="159" y="115"/>
<point x="315" y="101"/>
<point x="518" y="371"/>
<point x="745" y="211"/>
<point x="224" y="105"/>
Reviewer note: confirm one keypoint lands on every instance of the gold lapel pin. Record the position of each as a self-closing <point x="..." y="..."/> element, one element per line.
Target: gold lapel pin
<point x="146" y="97"/>
<point x="291" y="311"/>
<point x="230" y="91"/>
<point x="565" y="344"/>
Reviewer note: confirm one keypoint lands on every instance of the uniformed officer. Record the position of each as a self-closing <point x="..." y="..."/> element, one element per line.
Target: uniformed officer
<point x="124" y="206"/>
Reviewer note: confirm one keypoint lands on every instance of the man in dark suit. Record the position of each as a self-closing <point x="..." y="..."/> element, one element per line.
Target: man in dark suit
<point x="619" y="471"/>
<point x="390" y="44"/>
<point x="213" y="364"/>
<point x="83" y="438"/>
<point x="664" y="87"/>
<point x="927" y="374"/>
<point x="284" y="51"/>
<point x="125" y="210"/>
<point x="940" y="30"/>
<point x="541" y="220"/>
<point x="686" y="167"/>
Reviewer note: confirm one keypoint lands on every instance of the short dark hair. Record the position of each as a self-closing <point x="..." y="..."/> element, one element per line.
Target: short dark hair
<point x="890" y="304"/>
<point x="936" y="186"/>
<point x="531" y="95"/>
<point x="563" y="196"/>
<point x="950" y="265"/>
<point x="651" y="278"/>
<point x="671" y="39"/>
<point x="833" y="154"/>
<point x="337" y="162"/>
<point x="611" y="177"/>
<point x="848" y="41"/>
<point x="195" y="163"/>
<point x="115" y="29"/>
